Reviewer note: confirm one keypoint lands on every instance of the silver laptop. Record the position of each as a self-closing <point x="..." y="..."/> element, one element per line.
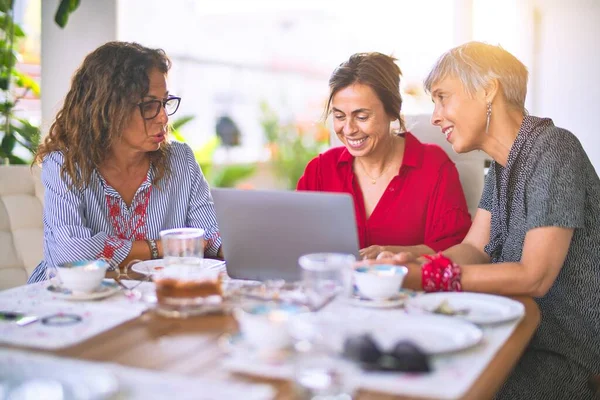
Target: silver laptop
<point x="265" y="231"/>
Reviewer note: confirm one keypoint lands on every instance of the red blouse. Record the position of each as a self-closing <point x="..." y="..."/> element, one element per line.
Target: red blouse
<point x="423" y="204"/>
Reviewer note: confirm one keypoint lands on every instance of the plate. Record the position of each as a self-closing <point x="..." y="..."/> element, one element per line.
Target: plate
<point x="394" y="302"/>
<point x="482" y="308"/>
<point x="212" y="305"/>
<point x="150" y="267"/>
<point x="236" y="345"/>
<point x="21" y="379"/>
<point x="434" y="334"/>
<point x="108" y="287"/>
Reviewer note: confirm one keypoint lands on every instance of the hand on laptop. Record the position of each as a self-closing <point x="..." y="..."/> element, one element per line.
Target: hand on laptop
<point x="371" y="252"/>
<point x="379" y="253"/>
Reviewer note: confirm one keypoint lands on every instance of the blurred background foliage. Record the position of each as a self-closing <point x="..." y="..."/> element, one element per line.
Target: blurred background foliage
<point x="14" y="86"/>
<point x="291" y="144"/>
<point x="224" y="175"/>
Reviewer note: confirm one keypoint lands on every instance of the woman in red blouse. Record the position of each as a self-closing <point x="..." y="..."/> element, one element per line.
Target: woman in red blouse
<point x="407" y="195"/>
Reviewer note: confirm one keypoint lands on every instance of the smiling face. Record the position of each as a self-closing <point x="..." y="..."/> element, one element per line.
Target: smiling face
<point x="147" y="135"/>
<point x="461" y="116"/>
<point x="360" y="120"/>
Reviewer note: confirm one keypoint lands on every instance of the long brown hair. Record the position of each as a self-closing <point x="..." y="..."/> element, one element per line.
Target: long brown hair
<point x="104" y="92"/>
<point x="376" y="70"/>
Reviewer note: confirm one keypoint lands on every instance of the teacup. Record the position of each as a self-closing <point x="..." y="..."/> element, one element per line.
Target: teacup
<point x="82" y="276"/>
<point x="379" y="282"/>
<point x="265" y="325"/>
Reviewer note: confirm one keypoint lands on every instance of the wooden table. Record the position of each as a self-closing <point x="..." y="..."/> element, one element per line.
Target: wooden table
<point x="190" y="347"/>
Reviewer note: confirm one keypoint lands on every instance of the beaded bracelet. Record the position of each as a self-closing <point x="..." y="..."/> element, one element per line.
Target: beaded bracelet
<point x="440" y="274"/>
<point x="153" y="248"/>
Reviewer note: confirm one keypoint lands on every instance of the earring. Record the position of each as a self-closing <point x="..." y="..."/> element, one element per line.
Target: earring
<point x="488" y="114"/>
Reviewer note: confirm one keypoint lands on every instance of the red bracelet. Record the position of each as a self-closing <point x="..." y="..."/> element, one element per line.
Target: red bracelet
<point x="440" y="274"/>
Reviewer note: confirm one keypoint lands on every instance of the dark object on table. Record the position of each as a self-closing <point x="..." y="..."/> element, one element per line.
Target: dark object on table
<point x="404" y="357"/>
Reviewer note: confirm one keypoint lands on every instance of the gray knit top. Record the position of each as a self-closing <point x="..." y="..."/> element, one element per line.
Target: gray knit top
<point x="549" y="181"/>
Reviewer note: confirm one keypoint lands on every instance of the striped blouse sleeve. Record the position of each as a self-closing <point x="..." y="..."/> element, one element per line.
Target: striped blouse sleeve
<point x="201" y="213"/>
<point x="67" y="233"/>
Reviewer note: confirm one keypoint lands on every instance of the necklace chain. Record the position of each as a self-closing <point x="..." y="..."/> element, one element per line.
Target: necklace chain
<point x="373" y="180"/>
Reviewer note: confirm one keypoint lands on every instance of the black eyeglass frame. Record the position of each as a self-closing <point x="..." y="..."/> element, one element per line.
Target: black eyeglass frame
<point x="162" y="103"/>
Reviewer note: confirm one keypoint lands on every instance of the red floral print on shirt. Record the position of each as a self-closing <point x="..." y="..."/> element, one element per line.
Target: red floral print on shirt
<point x="126" y="228"/>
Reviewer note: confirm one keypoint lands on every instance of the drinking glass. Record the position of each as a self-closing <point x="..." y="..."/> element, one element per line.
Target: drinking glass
<point x="324" y="276"/>
<point x="320" y="372"/>
<point x="183" y="290"/>
<point x="183" y="246"/>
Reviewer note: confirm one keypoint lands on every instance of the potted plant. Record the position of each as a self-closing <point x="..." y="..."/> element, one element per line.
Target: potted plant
<point x="291" y="144"/>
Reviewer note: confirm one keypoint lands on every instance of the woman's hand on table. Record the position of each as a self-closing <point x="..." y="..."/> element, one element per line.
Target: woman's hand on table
<point x="401" y="258"/>
<point x="371" y="252"/>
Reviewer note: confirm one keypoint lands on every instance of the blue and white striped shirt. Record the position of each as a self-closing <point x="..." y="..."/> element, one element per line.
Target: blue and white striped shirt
<point x="78" y="224"/>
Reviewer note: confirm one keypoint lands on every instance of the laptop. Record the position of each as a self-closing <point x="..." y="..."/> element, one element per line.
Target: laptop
<point x="265" y="231"/>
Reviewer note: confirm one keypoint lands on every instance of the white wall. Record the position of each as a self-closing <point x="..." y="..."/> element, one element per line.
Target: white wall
<point x="63" y="50"/>
<point x="566" y="78"/>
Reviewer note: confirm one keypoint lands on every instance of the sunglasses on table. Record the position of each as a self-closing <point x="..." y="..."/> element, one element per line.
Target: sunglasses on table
<point x="404" y="357"/>
<point x="151" y="108"/>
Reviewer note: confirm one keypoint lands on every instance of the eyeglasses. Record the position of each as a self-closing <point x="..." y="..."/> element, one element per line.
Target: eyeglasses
<point x="405" y="356"/>
<point x="150" y="109"/>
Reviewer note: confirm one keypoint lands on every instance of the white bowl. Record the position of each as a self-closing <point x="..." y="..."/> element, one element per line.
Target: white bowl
<point x="379" y="282"/>
<point x="265" y="326"/>
<point x="82" y="276"/>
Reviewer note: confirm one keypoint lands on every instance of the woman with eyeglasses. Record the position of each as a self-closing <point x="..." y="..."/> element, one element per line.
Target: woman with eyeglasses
<point x="112" y="179"/>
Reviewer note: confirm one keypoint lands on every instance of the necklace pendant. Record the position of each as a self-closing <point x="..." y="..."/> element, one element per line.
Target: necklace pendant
<point x="373" y="182"/>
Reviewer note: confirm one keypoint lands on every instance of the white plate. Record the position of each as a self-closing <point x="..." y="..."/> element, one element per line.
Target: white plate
<point x="153" y="266"/>
<point x="434" y="334"/>
<point x="370" y="303"/>
<point x="107" y="288"/>
<point x="76" y="383"/>
<point x="482" y="308"/>
<point x="237" y="345"/>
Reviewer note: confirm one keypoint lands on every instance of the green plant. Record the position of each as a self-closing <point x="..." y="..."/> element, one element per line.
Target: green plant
<point x="14" y="86"/>
<point x="291" y="144"/>
<point x="65" y="8"/>
<point x="15" y="131"/>
<point x="216" y="175"/>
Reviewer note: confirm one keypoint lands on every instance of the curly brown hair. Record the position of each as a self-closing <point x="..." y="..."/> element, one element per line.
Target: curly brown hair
<point x="104" y="92"/>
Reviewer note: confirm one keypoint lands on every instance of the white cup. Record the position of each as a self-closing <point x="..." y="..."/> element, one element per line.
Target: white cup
<point x="265" y="326"/>
<point x="379" y="282"/>
<point x="82" y="276"/>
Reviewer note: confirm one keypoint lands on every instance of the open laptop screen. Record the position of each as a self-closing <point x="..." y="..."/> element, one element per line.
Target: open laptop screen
<point x="265" y="231"/>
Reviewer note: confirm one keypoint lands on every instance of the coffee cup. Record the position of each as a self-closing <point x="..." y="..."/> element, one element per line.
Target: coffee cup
<point x="82" y="276"/>
<point x="379" y="282"/>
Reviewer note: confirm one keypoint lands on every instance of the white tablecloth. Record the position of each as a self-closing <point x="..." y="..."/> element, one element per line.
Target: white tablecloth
<point x="92" y="378"/>
<point x="453" y="373"/>
<point x="96" y="316"/>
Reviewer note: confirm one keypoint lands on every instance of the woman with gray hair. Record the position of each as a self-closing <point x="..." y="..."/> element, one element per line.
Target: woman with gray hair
<point x="537" y="230"/>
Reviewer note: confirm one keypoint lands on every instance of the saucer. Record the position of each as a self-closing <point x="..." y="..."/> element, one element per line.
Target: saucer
<point x="394" y="302"/>
<point x="236" y="345"/>
<point x="107" y="288"/>
<point x="212" y="305"/>
<point x="151" y="267"/>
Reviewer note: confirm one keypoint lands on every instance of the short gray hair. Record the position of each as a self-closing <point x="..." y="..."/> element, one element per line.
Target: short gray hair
<point x="475" y="64"/>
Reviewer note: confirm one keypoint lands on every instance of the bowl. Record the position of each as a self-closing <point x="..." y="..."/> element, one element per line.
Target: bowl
<point x="82" y="276"/>
<point x="379" y="282"/>
<point x="265" y="325"/>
